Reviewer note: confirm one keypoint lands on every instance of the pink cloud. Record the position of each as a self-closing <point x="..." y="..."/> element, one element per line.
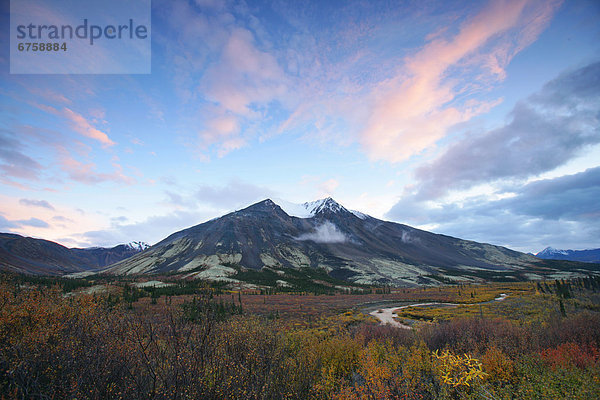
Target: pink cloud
<point x="243" y="76"/>
<point x="79" y="123"/>
<point x="86" y="172"/>
<point x="233" y="68"/>
<point x="224" y="125"/>
<point x="82" y="126"/>
<point x="49" y="95"/>
<point x="231" y="144"/>
<point x="415" y="108"/>
<point x="98" y="114"/>
<point x="221" y="129"/>
<point x="243" y="79"/>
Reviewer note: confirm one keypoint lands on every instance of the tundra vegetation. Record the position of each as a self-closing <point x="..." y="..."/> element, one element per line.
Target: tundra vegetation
<point x="108" y="338"/>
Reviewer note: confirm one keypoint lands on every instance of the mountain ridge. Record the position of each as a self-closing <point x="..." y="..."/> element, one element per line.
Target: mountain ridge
<point x="359" y="248"/>
<point x="43" y="257"/>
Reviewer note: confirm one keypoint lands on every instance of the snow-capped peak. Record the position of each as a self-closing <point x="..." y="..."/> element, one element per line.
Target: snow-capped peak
<point x="327" y="204"/>
<point x="138" y="246"/>
<point x="312" y="208"/>
<point x="294" y="209"/>
<point x="551" y="251"/>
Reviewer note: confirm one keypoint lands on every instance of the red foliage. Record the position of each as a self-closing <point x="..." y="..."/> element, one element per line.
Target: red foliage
<point x="476" y="335"/>
<point x="572" y="354"/>
<point x="399" y="337"/>
<point x="581" y="328"/>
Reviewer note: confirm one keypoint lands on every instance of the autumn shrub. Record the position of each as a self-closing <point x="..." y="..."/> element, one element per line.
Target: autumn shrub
<point x="387" y="371"/>
<point x="338" y="358"/>
<point x="458" y="370"/>
<point x="581" y="328"/>
<point x="498" y="366"/>
<point x="379" y="370"/>
<point x="537" y="381"/>
<point x="303" y="362"/>
<point x="56" y="347"/>
<point x="571" y="355"/>
<point x="475" y="335"/>
<point x="418" y="372"/>
<point x="369" y="332"/>
<point x="247" y="362"/>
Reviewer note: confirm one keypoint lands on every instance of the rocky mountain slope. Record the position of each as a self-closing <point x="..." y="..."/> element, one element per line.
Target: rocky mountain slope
<point x="348" y="244"/>
<point x="43" y="257"/>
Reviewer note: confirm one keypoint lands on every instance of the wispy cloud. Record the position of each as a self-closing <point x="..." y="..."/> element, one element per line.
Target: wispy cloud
<point x="415" y="108"/>
<point x="317" y="186"/>
<point x="220" y="198"/>
<point x="33" y="222"/>
<point x="495" y="174"/>
<point x="82" y="126"/>
<point x="49" y="95"/>
<point x="346" y="89"/>
<point x="78" y="123"/>
<point x="233" y="73"/>
<point x="243" y="76"/>
<point x="327" y="188"/>
<point x="14" y="163"/>
<point x="61" y="218"/>
<point x="36" y="203"/>
<point x="7" y="225"/>
<point x="86" y="172"/>
<point x="243" y="80"/>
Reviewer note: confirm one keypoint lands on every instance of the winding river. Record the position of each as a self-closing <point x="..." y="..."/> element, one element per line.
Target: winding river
<point x="386" y="315"/>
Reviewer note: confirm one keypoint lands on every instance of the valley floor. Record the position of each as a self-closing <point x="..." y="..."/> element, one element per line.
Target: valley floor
<point x="109" y="340"/>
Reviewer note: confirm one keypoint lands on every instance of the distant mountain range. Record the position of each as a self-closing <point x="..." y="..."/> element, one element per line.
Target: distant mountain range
<point x="43" y="257"/>
<point x="348" y="244"/>
<point x="279" y="236"/>
<point x="590" y="256"/>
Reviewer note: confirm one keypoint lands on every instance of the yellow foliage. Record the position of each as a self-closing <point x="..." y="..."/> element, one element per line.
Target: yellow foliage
<point x="458" y="370"/>
<point x="339" y="357"/>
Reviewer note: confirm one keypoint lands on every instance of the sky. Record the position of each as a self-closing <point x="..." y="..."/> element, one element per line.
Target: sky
<point x="475" y="119"/>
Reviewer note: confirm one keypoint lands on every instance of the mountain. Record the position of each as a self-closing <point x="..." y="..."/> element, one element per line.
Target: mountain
<point x="323" y="234"/>
<point x="43" y="257"/>
<point x="590" y="256"/>
<point x="103" y="256"/>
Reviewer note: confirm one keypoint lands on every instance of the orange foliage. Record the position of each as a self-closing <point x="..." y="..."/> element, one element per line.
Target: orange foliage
<point x="499" y="366"/>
